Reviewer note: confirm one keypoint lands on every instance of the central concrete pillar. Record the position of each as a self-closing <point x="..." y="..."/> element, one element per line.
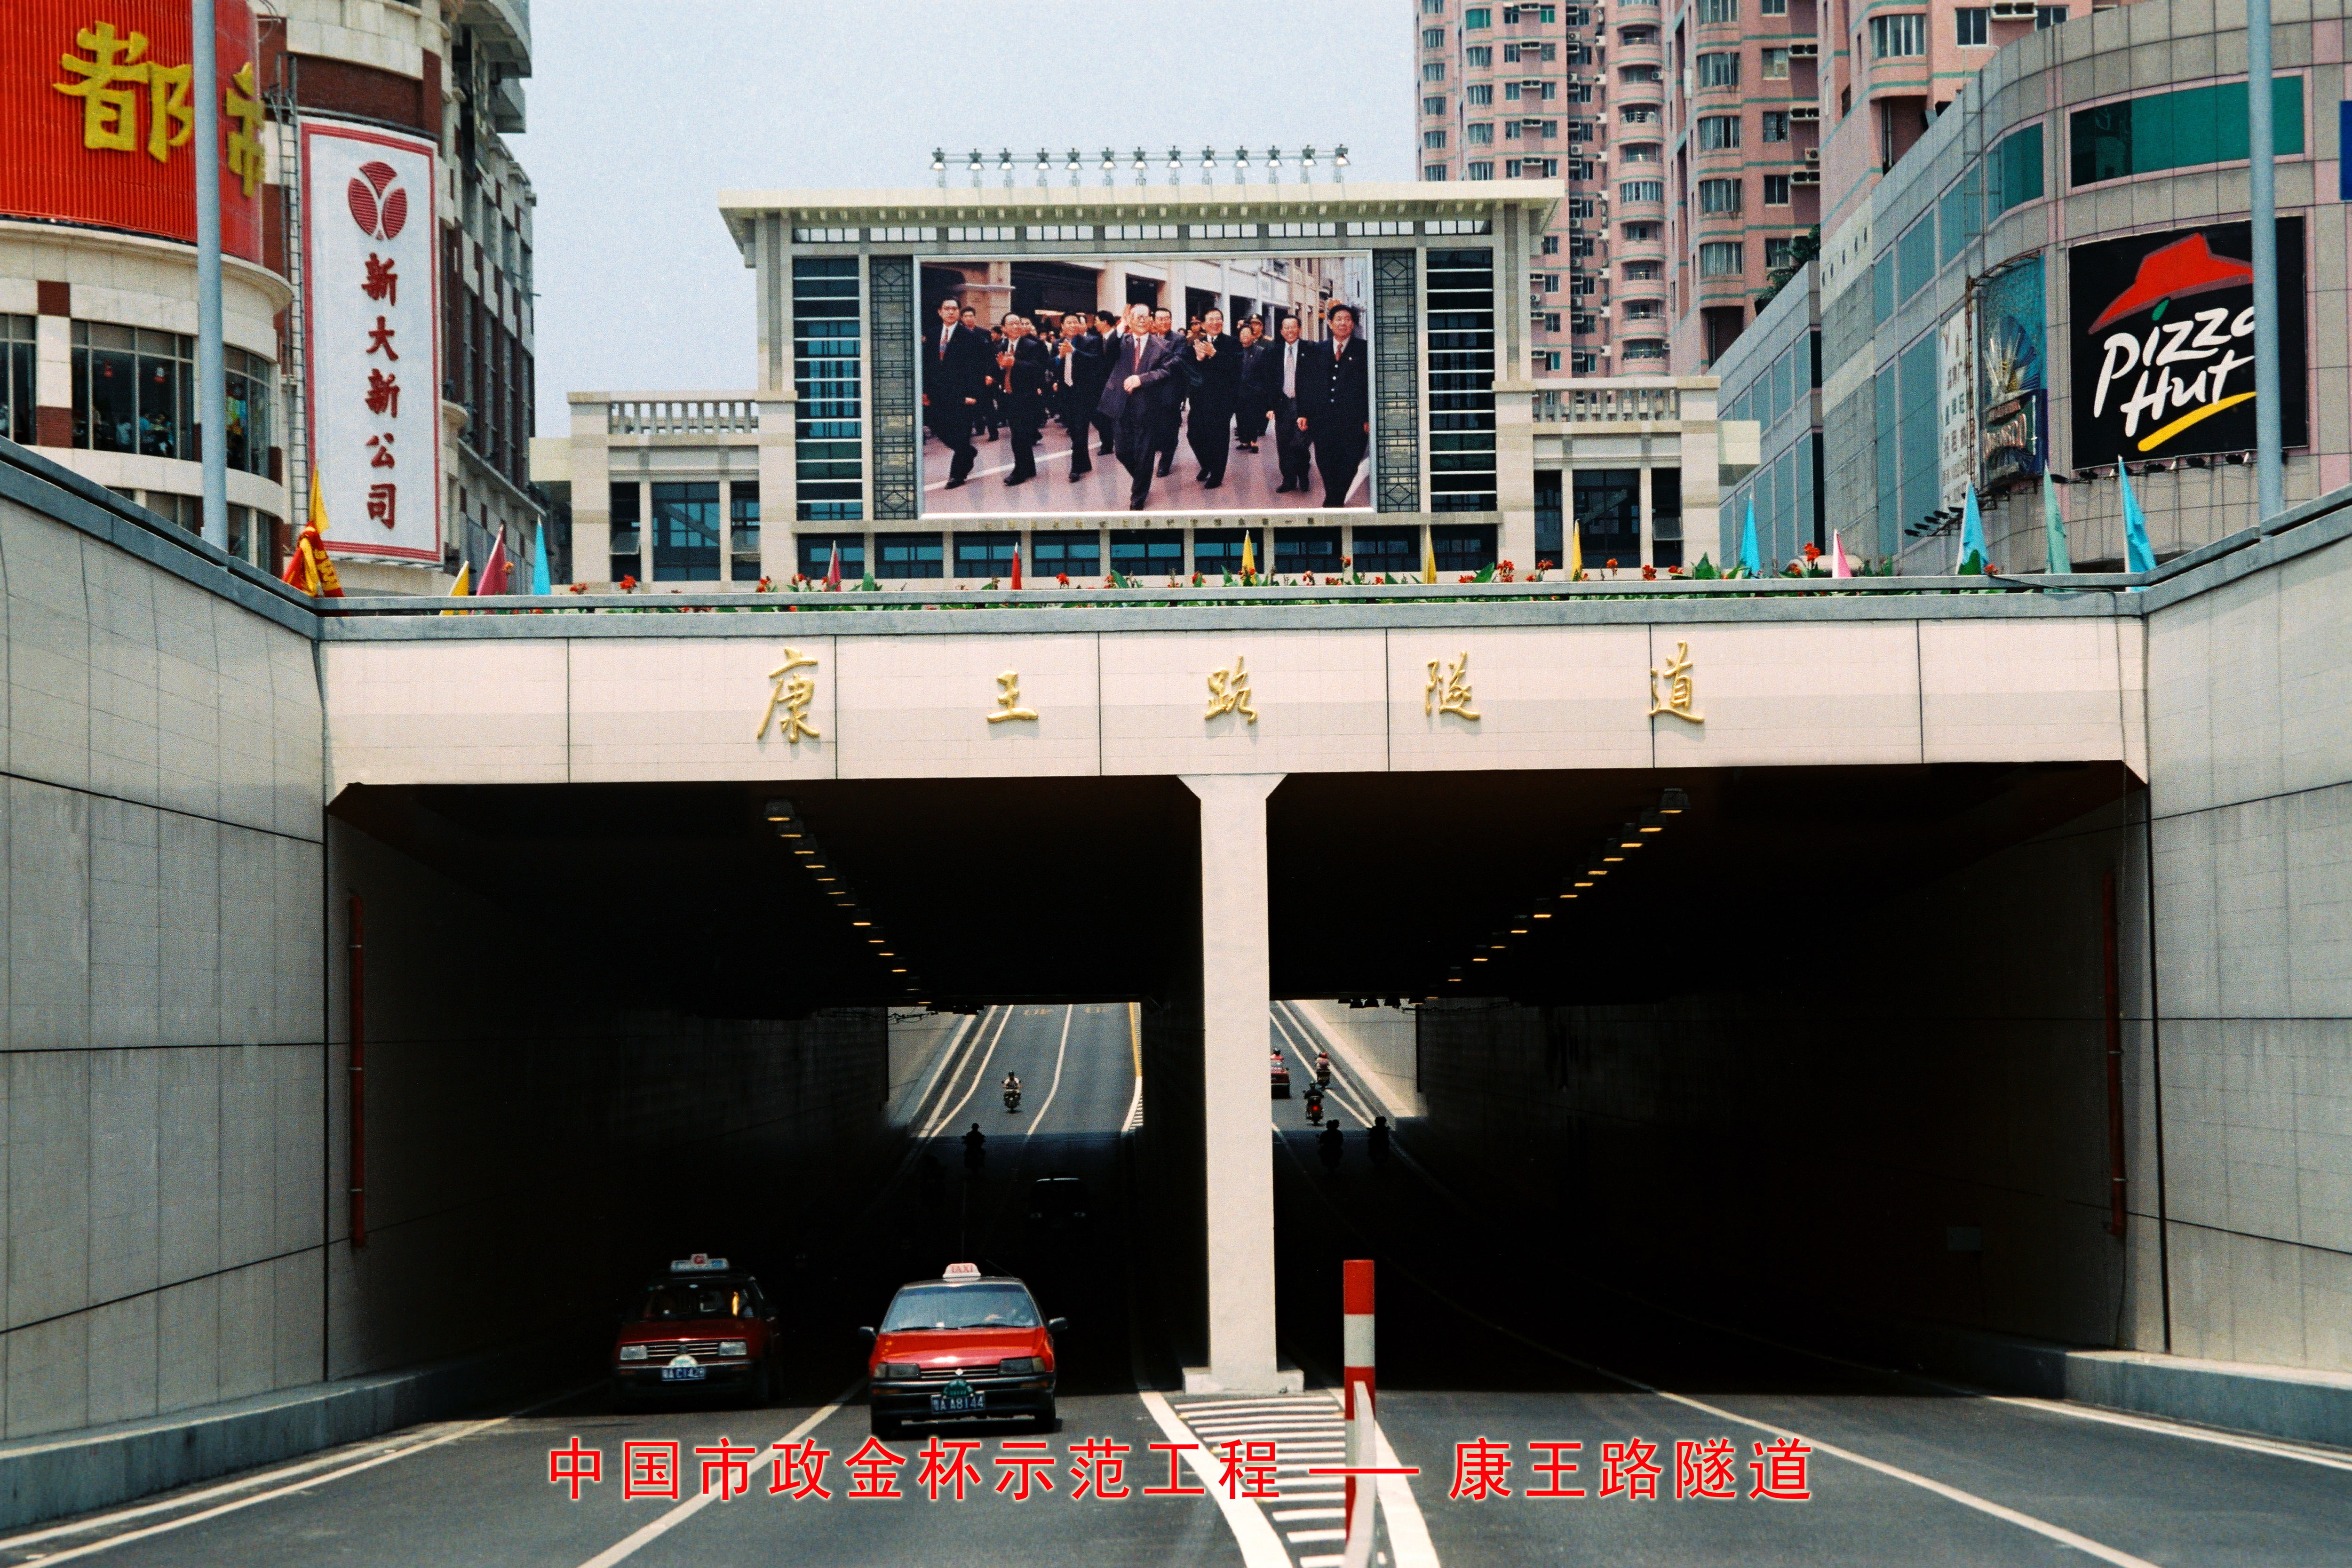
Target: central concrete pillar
<point x="1236" y="986"/>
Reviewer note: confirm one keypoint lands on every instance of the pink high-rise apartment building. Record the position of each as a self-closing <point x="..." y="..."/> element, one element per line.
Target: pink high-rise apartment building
<point x="1743" y="180"/>
<point x="1574" y="93"/>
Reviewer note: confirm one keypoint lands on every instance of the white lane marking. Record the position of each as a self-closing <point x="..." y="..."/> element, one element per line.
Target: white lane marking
<point x="628" y="1544"/>
<point x="1069" y="1010"/>
<point x="940" y="1069"/>
<point x="2149" y="1424"/>
<point x="1287" y="1514"/>
<point x="464" y="1429"/>
<point x="940" y="1123"/>
<point x="1134" y="1110"/>
<point x="1259" y="1546"/>
<point x="1340" y="1095"/>
<point x="1303" y="1536"/>
<point x="1213" y="1421"/>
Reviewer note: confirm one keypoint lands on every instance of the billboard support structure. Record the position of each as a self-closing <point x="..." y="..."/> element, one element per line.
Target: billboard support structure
<point x="2270" y="479"/>
<point x="211" y="364"/>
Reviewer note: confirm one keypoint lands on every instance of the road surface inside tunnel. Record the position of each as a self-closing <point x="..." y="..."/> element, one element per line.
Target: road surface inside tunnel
<point x="1485" y="1335"/>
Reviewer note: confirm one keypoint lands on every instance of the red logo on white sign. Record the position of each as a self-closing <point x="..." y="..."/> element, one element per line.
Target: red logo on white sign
<point x="379" y="215"/>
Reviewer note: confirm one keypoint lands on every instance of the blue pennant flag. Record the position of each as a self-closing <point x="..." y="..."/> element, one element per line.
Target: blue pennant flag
<point x="1972" y="537"/>
<point x="2138" y="555"/>
<point x="539" y="580"/>
<point x="1751" y="561"/>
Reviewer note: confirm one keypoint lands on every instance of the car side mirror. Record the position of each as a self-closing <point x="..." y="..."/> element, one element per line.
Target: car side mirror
<point x="1057" y="1325"/>
<point x="866" y="1334"/>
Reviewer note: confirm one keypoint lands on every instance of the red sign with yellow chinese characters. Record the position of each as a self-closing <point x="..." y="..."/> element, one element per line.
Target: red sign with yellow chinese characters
<point x="96" y="96"/>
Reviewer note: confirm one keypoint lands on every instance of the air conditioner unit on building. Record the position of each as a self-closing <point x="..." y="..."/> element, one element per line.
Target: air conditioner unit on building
<point x="1805" y="177"/>
<point x="2012" y="10"/>
<point x="1804" y="51"/>
<point x="1803" y="112"/>
<point x="1814" y="157"/>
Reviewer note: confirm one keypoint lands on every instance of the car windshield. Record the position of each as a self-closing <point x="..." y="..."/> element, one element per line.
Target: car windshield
<point x="676" y="1301"/>
<point x="984" y="1304"/>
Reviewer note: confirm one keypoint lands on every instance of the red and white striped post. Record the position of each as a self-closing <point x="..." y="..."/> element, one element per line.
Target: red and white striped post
<point x="1355" y="1376"/>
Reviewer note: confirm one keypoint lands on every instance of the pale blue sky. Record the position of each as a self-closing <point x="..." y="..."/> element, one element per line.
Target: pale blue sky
<point x="640" y="114"/>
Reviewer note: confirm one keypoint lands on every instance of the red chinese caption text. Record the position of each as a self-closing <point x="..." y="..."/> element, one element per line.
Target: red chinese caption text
<point x="1704" y="1469"/>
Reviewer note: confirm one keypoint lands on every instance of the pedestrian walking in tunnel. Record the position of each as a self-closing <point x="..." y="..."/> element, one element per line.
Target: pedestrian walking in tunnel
<point x="1329" y="1145"/>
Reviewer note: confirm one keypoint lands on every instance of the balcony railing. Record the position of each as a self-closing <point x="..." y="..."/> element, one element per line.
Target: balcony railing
<point x="682" y="416"/>
<point x="1604" y="403"/>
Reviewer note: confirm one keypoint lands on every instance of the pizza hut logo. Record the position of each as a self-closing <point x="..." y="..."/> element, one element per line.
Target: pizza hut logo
<point x="378" y="207"/>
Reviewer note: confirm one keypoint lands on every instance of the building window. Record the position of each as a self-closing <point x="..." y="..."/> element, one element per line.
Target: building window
<point x="1480" y="169"/>
<point x="1515" y="54"/>
<point x="1461" y="294"/>
<point x="1479" y="135"/>
<point x="16" y="340"/>
<point x="133" y="390"/>
<point x="1644" y="271"/>
<point x="1073" y="554"/>
<point x="1640" y="75"/>
<point x="1548" y="320"/>
<point x="1776" y="64"/>
<point x="1433" y="70"/>
<point x="1582" y="169"/>
<point x="1433" y="7"/>
<point x="1775" y="190"/>
<point x="626" y="546"/>
<point x="1896" y="37"/>
<point x="1580" y="244"/>
<point x="1641" y="191"/>
<point x="1720" y="258"/>
<point x="1543" y="282"/>
<point x="1147" y="552"/>
<point x="1530" y="13"/>
<point x="1394" y="550"/>
<point x="1643" y="233"/>
<point x="1550" y="246"/>
<point x="1434" y="141"/>
<point x="1645" y="309"/>
<point x="1434" y="171"/>
<point x="1579" y="285"/>
<point x="1478" y="96"/>
<point x="1432" y="37"/>
<point x="828" y="453"/>
<point x="2014" y="172"/>
<point x="1477" y="17"/>
<point x="1479" y="57"/>
<point x="1718" y="10"/>
<point x="1716" y="132"/>
<point x="1219" y="550"/>
<point x="1718" y="70"/>
<point x="1580" y="92"/>
<point x="686" y="533"/>
<point x="2049" y="16"/>
<point x="908" y="555"/>
<point x="1531" y="169"/>
<point x="1434" y="104"/>
<point x="815" y="554"/>
<point x="1774" y="7"/>
<point x="985" y="557"/>
<point x="1304" y="552"/>
<point x="2179" y="130"/>
<point x="1776" y="125"/>
<point x="1718" y="195"/>
<point x="1608" y="512"/>
<point x="1583" y="361"/>
<point x="1777" y="253"/>
<point x="743" y="531"/>
<point x="1638" y="114"/>
<point x="1460" y="549"/>
<point x="1973" y="26"/>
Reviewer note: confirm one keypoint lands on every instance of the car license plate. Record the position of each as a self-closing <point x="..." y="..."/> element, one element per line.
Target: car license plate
<point x="683" y="1373"/>
<point x="957" y="1398"/>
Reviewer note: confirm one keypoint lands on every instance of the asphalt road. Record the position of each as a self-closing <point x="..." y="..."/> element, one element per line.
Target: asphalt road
<point x="1480" y="1337"/>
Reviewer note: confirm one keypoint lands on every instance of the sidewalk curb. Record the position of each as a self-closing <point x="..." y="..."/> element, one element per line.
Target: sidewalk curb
<point x="2275" y="1400"/>
<point x="74" y="1472"/>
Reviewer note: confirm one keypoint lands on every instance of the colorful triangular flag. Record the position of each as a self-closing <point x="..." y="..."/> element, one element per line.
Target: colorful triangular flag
<point x="1972" y="537"/>
<point x="538" y="578"/>
<point x="2139" y="556"/>
<point x="2054" y="524"/>
<point x="1839" y="565"/>
<point x="1752" y="560"/>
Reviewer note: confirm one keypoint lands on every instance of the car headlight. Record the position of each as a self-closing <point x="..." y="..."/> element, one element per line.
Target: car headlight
<point x="1022" y="1363"/>
<point x="734" y="1347"/>
<point x="632" y="1353"/>
<point x="898" y="1369"/>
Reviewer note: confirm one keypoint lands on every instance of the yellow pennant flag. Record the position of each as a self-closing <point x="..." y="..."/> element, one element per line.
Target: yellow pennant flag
<point x="1428" y="558"/>
<point x="308" y="568"/>
<point x="1575" y="559"/>
<point x="1249" y="557"/>
<point x="462" y="588"/>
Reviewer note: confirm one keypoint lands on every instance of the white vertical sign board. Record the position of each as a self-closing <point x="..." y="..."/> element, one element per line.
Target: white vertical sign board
<point x="1956" y="410"/>
<point x="372" y="312"/>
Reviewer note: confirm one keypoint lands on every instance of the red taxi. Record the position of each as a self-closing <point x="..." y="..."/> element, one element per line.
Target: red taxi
<point x="697" y="1326"/>
<point x="967" y="1346"/>
<point x="1279" y="1073"/>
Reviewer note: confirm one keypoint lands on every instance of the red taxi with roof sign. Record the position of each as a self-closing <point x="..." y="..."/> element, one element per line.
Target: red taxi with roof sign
<point x="967" y="1346"/>
<point x="698" y="1325"/>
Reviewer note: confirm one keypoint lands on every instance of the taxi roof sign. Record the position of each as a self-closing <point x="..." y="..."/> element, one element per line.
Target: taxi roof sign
<point x="701" y="1263"/>
<point x="961" y="1271"/>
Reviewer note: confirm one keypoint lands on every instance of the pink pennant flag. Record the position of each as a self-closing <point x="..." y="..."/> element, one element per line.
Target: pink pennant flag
<point x="1839" y="565"/>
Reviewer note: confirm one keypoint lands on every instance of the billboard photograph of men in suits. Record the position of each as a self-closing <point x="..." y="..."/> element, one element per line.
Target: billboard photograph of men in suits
<point x="1176" y="370"/>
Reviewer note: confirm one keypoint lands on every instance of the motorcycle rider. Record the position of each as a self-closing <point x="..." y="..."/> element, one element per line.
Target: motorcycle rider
<point x="1315" y="1106"/>
<point x="975" y="1148"/>
<point x="1377" y="1146"/>
<point x="1328" y="1144"/>
<point x="1323" y="1067"/>
<point x="1012" y="1087"/>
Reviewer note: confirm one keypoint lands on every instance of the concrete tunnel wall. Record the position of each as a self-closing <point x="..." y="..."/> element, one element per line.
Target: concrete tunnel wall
<point x="173" y="1224"/>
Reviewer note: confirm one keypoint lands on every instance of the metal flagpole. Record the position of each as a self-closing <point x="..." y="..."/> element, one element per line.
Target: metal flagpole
<point x="2270" y="479"/>
<point x="212" y="390"/>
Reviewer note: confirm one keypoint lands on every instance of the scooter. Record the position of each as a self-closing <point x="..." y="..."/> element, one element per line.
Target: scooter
<point x="1323" y="1069"/>
<point x="1011" y="1099"/>
<point x="1314" y="1108"/>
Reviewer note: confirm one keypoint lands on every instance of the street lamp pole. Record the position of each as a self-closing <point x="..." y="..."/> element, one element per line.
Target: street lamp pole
<point x="211" y="391"/>
<point x="2270" y="479"/>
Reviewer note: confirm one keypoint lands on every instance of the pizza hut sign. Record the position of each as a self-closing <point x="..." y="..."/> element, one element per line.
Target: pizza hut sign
<point x="2163" y="343"/>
